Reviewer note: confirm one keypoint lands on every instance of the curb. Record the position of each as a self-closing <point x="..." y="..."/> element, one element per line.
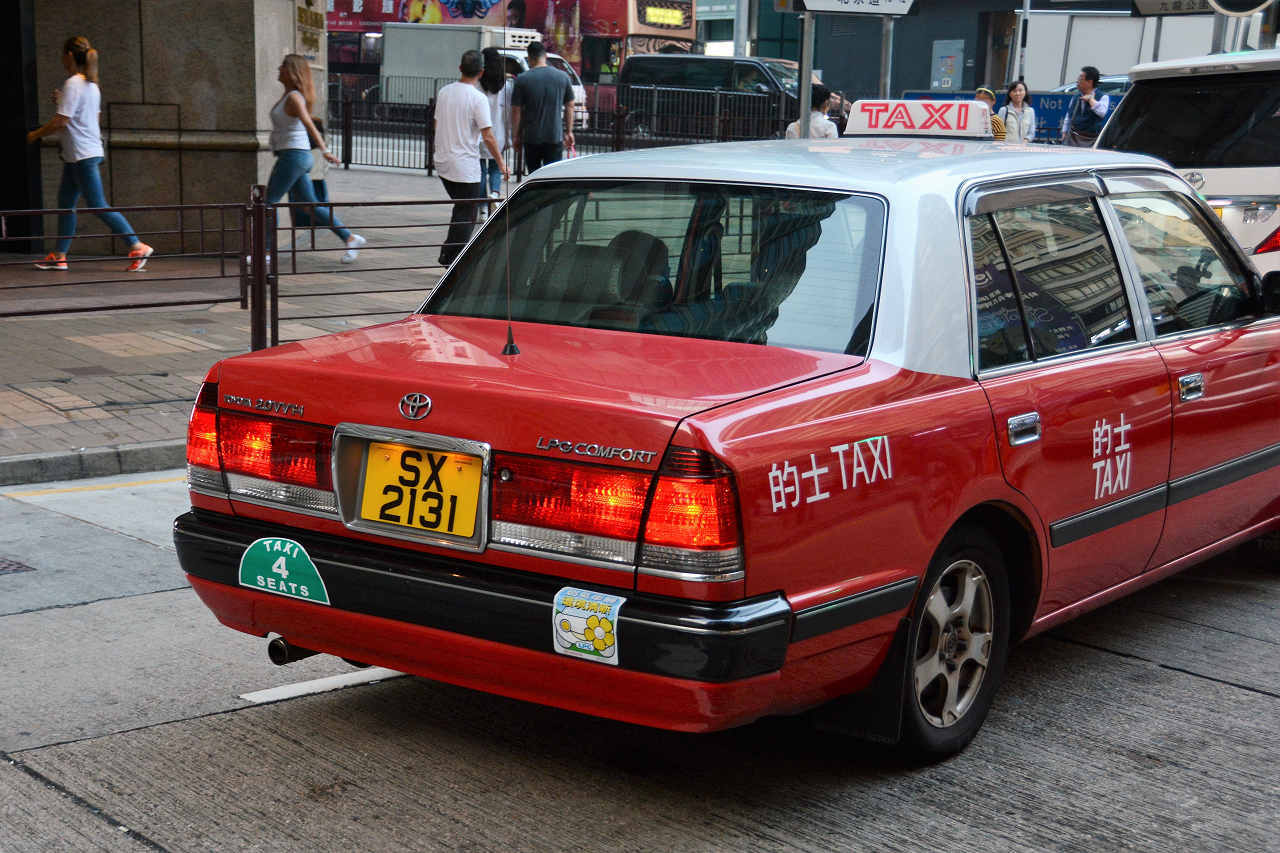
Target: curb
<point x="93" y="462"/>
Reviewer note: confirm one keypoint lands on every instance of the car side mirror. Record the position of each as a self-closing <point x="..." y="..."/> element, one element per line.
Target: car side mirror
<point x="1271" y="292"/>
<point x="762" y="88"/>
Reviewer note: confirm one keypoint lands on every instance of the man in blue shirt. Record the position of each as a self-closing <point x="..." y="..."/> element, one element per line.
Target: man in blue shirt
<point x="1088" y="111"/>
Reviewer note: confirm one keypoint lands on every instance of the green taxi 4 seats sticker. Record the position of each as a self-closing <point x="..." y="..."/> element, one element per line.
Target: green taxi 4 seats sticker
<point x="282" y="566"/>
<point x="584" y="624"/>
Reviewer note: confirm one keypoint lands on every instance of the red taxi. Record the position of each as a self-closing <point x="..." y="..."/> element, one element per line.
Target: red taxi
<point x="688" y="436"/>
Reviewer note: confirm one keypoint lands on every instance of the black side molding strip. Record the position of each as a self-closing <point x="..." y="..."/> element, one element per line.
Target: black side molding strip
<point x="1109" y="515"/>
<point x="1176" y="491"/>
<point x="1194" y="485"/>
<point x="844" y="612"/>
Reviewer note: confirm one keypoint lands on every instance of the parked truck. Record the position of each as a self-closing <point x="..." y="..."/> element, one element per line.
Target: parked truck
<point x="417" y="59"/>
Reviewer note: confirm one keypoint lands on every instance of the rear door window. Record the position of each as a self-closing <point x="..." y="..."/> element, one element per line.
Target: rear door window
<point x="1208" y="121"/>
<point x="1048" y="283"/>
<point x="1190" y="278"/>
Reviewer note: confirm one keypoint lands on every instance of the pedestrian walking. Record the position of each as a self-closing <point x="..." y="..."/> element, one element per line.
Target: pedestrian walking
<point x="1087" y="112"/>
<point x="292" y="135"/>
<point x="1018" y="116"/>
<point x="497" y="87"/>
<point x="820" y="127"/>
<point x="542" y="110"/>
<point x="462" y="121"/>
<point x="80" y="136"/>
<point x="319" y="175"/>
<point x="988" y="97"/>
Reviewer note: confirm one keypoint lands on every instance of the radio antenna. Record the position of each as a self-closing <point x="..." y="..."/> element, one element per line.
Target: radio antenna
<point x="510" y="348"/>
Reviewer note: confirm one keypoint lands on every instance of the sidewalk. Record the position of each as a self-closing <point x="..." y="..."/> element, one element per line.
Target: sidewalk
<point x="109" y="392"/>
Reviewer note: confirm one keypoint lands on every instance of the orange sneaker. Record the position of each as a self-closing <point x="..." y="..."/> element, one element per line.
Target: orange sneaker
<point x="139" y="253"/>
<point x="53" y="261"/>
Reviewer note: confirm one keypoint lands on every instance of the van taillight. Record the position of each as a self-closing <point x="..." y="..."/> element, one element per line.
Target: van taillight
<point x="1271" y="244"/>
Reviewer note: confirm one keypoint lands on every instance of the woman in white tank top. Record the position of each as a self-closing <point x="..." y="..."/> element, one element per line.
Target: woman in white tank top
<point x="291" y="133"/>
<point x="76" y="122"/>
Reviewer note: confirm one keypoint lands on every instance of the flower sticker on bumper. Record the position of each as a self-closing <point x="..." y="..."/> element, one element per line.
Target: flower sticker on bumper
<point x="584" y="624"/>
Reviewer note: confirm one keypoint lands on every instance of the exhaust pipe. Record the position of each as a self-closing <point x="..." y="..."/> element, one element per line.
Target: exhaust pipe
<point x="281" y="652"/>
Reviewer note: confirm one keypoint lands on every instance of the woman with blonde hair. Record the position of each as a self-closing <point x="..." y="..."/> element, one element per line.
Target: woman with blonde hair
<point x="292" y="132"/>
<point x="76" y="123"/>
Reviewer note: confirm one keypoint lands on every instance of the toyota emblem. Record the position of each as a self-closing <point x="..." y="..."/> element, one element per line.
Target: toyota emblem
<point x="415" y="407"/>
<point x="1196" y="179"/>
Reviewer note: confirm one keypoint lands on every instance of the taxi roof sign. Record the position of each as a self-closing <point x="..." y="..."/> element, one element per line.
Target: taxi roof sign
<point x="969" y="119"/>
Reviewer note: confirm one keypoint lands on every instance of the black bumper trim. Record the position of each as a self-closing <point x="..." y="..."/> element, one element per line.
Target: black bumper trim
<point x="845" y="612"/>
<point x="663" y="636"/>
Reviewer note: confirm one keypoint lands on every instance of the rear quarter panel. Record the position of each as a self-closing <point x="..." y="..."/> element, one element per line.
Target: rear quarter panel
<point x="823" y="520"/>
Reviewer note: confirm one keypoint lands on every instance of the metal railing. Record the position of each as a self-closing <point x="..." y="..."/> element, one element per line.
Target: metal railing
<point x="389" y="121"/>
<point x="250" y="254"/>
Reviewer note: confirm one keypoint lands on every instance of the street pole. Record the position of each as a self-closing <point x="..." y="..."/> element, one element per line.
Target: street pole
<point x="806" y="71"/>
<point x="740" y="16"/>
<point x="886" y="55"/>
<point x="1020" y="66"/>
<point x="1218" y="42"/>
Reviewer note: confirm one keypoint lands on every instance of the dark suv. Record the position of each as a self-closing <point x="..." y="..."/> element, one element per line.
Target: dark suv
<point x="724" y="97"/>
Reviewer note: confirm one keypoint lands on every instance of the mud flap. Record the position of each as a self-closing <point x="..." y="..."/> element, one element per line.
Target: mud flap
<point x="873" y="714"/>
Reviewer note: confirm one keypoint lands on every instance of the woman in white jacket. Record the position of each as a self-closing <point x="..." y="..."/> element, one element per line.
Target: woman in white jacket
<point x="1018" y="116"/>
<point x="496" y="87"/>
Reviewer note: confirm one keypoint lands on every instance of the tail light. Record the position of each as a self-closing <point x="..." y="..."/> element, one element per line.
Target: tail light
<point x="685" y="521"/>
<point x="1271" y="244"/>
<point x="258" y="458"/>
<point x="692" y="531"/>
<point x="588" y="511"/>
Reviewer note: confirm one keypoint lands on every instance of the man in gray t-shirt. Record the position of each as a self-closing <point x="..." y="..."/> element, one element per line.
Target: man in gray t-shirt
<point x="542" y="110"/>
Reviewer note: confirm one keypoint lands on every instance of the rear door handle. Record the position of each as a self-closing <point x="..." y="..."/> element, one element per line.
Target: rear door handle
<point x="1191" y="387"/>
<point x="1024" y="429"/>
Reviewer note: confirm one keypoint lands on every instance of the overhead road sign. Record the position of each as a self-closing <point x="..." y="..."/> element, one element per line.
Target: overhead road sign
<point x="855" y="7"/>
<point x="1235" y="8"/>
<point x="1160" y="8"/>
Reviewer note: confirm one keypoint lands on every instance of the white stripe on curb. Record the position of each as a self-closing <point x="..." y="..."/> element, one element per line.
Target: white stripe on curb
<point x="321" y="685"/>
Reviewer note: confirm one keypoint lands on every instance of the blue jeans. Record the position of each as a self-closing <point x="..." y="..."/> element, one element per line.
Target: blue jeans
<point x="82" y="178"/>
<point x="490" y="175"/>
<point x="302" y="215"/>
<point x="292" y="174"/>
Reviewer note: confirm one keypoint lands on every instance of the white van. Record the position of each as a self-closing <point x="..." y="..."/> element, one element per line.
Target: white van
<point x="1216" y="119"/>
<point x="517" y="62"/>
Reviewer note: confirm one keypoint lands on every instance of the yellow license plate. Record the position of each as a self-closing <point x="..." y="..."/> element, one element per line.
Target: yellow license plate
<point x="422" y="489"/>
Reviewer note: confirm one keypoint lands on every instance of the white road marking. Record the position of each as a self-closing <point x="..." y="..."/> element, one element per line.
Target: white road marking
<point x="321" y="685"/>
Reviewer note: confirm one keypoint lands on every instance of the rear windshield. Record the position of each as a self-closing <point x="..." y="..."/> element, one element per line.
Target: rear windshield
<point x="1201" y="122"/>
<point x="785" y="267"/>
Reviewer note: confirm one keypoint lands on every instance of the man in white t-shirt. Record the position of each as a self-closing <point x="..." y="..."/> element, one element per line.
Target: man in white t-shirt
<point x="820" y="127"/>
<point x="462" y="122"/>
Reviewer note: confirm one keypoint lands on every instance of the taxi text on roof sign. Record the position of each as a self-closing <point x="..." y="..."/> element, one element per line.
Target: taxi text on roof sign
<point x="919" y="118"/>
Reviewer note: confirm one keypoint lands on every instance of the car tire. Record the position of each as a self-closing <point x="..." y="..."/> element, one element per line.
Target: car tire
<point x="957" y="645"/>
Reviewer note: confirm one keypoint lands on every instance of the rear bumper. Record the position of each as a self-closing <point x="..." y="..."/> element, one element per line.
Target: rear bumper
<point x="682" y="665"/>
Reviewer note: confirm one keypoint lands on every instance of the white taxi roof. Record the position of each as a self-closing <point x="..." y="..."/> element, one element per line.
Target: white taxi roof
<point x="1218" y="63"/>
<point x="878" y="164"/>
<point x="922" y="316"/>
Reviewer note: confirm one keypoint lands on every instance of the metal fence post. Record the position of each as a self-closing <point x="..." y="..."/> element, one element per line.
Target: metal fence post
<point x="258" y="267"/>
<point x="715" y="108"/>
<point x="619" y="126"/>
<point x="348" y="132"/>
<point x="430" y="136"/>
